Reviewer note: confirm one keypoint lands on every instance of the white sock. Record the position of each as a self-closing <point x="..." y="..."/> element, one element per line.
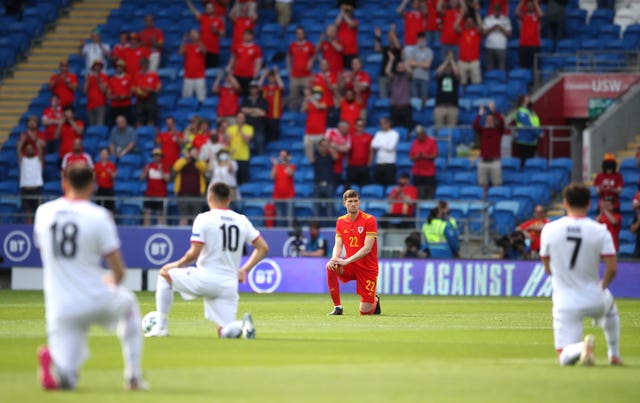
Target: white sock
<point x="571" y="353"/>
<point x="130" y="335"/>
<point x="232" y="331"/>
<point x="164" y="300"/>
<point x="611" y="326"/>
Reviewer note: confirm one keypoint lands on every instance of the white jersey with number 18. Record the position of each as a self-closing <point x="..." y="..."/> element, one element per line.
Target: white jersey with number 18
<point x="223" y="234"/>
<point x="72" y="236"/>
<point x="575" y="247"/>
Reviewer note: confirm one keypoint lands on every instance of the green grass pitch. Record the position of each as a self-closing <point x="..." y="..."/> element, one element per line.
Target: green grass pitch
<point x="421" y="349"/>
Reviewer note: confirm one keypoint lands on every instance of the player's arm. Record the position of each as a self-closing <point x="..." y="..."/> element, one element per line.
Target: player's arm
<point x="116" y="265"/>
<point x="190" y="256"/>
<point x="610" y="269"/>
<point x="547" y="265"/>
<point x="259" y="252"/>
<point x="369" y="240"/>
<point x="335" y="254"/>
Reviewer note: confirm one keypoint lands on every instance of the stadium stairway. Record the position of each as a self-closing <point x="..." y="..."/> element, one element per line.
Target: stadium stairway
<point x="17" y="91"/>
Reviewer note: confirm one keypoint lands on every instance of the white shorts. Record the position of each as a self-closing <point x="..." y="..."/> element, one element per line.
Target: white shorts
<point x="220" y="293"/>
<point x="568" y="322"/>
<point x="67" y="333"/>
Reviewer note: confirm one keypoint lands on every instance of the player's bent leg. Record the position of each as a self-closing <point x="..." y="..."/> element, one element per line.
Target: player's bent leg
<point x="130" y="335"/>
<point x="334" y="287"/>
<point x="567" y="334"/>
<point x="164" y="300"/>
<point x="611" y="326"/>
<point x="67" y="351"/>
<point x="45" y="374"/>
<point x="570" y="354"/>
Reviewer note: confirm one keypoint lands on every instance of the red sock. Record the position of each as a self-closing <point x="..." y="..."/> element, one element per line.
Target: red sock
<point x="334" y="287"/>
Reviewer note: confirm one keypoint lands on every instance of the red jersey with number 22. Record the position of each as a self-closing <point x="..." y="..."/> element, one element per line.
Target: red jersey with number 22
<point x="353" y="234"/>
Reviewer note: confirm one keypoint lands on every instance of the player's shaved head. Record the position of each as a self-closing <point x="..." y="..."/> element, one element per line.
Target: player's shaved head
<point x="220" y="192"/>
<point x="576" y="195"/>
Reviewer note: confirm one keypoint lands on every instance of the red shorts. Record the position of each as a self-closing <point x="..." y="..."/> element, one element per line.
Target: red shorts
<point x="366" y="281"/>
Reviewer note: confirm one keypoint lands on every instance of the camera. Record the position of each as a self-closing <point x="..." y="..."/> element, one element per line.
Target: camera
<point x="297" y="242"/>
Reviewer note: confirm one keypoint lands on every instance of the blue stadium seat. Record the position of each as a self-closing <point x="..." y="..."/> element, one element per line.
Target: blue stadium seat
<point x="254" y="211"/>
<point x="535" y="164"/>
<point x="372" y="192"/>
<point x="377" y="208"/>
<point x="503" y="217"/>
<point x="424" y="208"/>
<point x="498" y="193"/>
<point x="495" y="75"/>
<point x="129" y="213"/>
<point x="446" y="192"/>
<point x="465" y="178"/>
<point x="459" y="165"/>
<point x="52" y="188"/>
<point x="303" y="209"/>
<point x="600" y="17"/>
<point x="130" y="160"/>
<point x="9" y="213"/>
<point x="471" y="193"/>
<point x="251" y="189"/>
<point x="510" y="164"/>
<point x="304" y="190"/>
<point x="521" y="74"/>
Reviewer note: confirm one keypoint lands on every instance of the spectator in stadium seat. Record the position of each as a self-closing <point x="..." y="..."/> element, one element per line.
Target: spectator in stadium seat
<point x="328" y="81"/>
<point x="339" y="141"/>
<point x="146" y="87"/>
<point x="94" y="50"/>
<point x="403" y="203"/>
<point x="347" y="33"/>
<point x="202" y="136"/>
<point x="418" y="59"/>
<point x="239" y="136"/>
<point x="528" y="133"/>
<point x="119" y="92"/>
<point x="228" y="96"/>
<point x="223" y="169"/>
<point x="190" y="132"/>
<point x="317" y="245"/>
<point x="553" y="24"/>
<point x="360" y="156"/>
<point x="609" y="182"/>
<point x="152" y="38"/>
<point x="394" y="46"/>
<point x="316" y="124"/>
<point x="122" y="139"/>
<point x="282" y="172"/>
<point x="255" y="108"/>
<point x="446" y="111"/>
<point x="360" y="81"/>
<point x="530" y="14"/>
<point x="414" y="20"/>
<point x="194" y="82"/>
<point x="32" y="136"/>
<point x="134" y="54"/>
<point x="490" y="128"/>
<point x="120" y="49"/>
<point x="215" y="143"/>
<point x="272" y="91"/>
<point x="76" y="155"/>
<point x="189" y="185"/>
<point x="432" y="23"/>
<point x="245" y="62"/>
<point x="31" y="165"/>
<point x="219" y="7"/>
<point x="532" y="229"/>
<point x="450" y="11"/>
<point x="609" y="216"/>
<point x="385" y="142"/>
<point x="496" y="28"/>
<point x="67" y="132"/>
<point x="52" y="117"/>
<point x="440" y="236"/>
<point x="469" y="49"/>
<point x="96" y="86"/>
<point x="170" y="142"/>
<point x="300" y="59"/>
<point x="244" y="19"/>
<point x="64" y="84"/>
<point x="504" y="6"/>
<point x="155" y="194"/>
<point x="423" y="153"/>
<point x="212" y="28"/>
<point x="350" y="108"/>
<point x="400" y="99"/>
<point x="283" y="12"/>
<point x="323" y="178"/>
<point x="331" y="49"/>
<point x="105" y="172"/>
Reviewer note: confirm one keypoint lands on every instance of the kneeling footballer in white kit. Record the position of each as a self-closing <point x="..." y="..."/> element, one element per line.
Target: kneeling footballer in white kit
<point x="73" y="234"/>
<point x="217" y="240"/>
<point x="571" y="249"/>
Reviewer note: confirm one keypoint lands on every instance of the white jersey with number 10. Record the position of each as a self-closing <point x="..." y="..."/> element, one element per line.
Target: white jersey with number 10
<point x="575" y="247"/>
<point x="223" y="234"/>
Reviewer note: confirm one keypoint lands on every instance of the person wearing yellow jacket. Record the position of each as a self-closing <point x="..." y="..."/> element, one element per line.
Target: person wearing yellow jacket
<point x="189" y="185"/>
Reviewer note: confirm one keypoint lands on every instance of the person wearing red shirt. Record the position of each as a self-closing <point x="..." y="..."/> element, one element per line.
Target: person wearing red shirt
<point x="423" y="153"/>
<point x="359" y="157"/>
<point x="194" y="66"/>
<point x="316" y="124"/>
<point x="361" y="83"/>
<point x="120" y="49"/>
<point x="134" y="54"/>
<point x="152" y="38"/>
<point x="469" y="49"/>
<point x="609" y="182"/>
<point x="451" y="11"/>
<point x="51" y="118"/>
<point x="282" y="172"/>
<point x="146" y="87"/>
<point x="219" y="7"/>
<point x="532" y="229"/>
<point x="300" y="59"/>
<point x="504" y="6"/>
<point x="339" y="142"/>
<point x="170" y="142"/>
<point x="347" y="31"/>
<point x="119" y="93"/>
<point x="272" y="92"/>
<point x="609" y="217"/>
<point x="244" y="19"/>
<point x="530" y="15"/>
<point x="68" y="131"/>
<point x="76" y="155"/>
<point x="32" y="136"/>
<point x="350" y="109"/>
<point x="328" y="80"/>
<point x="229" y="96"/>
<point x="490" y="129"/>
<point x="357" y="232"/>
<point x="95" y="87"/>
<point x="432" y="23"/>
<point x="245" y="62"/>
<point x="105" y="172"/>
<point x="211" y="30"/>
<point x="155" y="195"/>
<point x="415" y="20"/>
<point x="331" y="49"/>
<point x="64" y="84"/>
<point x="403" y="204"/>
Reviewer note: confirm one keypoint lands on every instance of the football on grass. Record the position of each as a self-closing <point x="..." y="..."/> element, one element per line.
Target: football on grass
<point x="149" y="321"/>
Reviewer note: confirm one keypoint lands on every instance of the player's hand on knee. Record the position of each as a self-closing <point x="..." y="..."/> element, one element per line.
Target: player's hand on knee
<point x="242" y="276"/>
